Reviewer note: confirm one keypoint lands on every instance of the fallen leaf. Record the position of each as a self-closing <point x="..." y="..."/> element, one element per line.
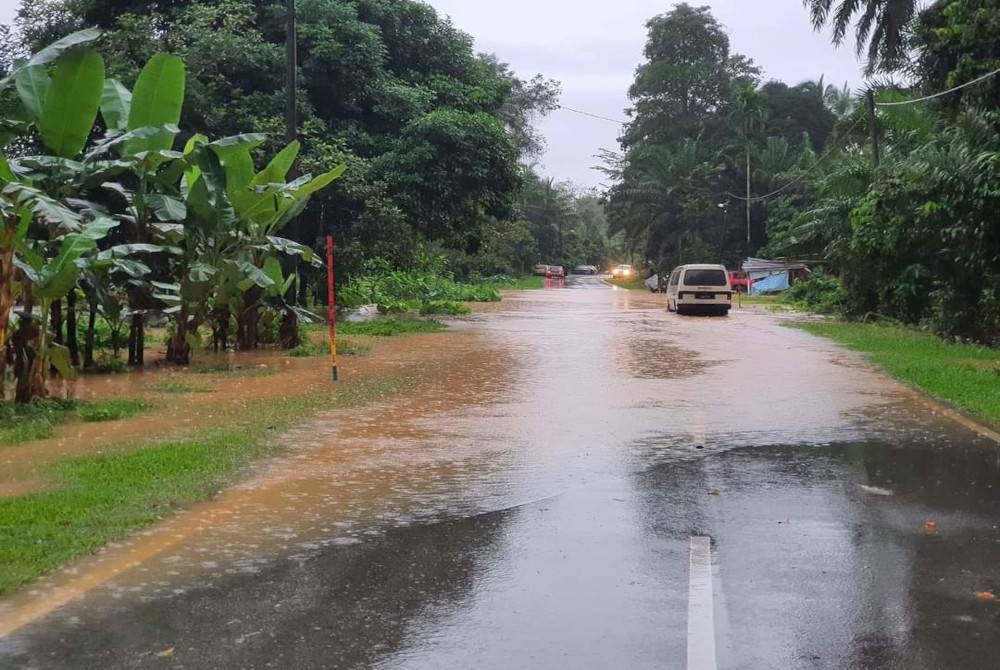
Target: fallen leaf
<point x="165" y="653"/>
<point x="986" y="596"/>
<point x="931" y="525"/>
<point x="713" y="492"/>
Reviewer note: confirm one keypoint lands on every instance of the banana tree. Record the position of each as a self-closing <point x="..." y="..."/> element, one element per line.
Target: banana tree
<point x="264" y="204"/>
<point x="50" y="278"/>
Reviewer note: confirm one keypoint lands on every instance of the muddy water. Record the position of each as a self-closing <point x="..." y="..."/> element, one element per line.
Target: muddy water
<point x="529" y="504"/>
<point x="222" y="384"/>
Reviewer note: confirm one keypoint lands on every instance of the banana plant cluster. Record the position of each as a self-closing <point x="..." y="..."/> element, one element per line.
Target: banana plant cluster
<point x="109" y="206"/>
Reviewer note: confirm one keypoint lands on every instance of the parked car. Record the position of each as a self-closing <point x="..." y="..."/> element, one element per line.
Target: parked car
<point x="622" y="271"/>
<point x="699" y="288"/>
<point x="540" y="270"/>
<point x="555" y="272"/>
<point x="739" y="281"/>
<point x="585" y="270"/>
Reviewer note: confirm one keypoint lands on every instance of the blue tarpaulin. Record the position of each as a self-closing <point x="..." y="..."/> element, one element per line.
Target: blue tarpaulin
<point x="770" y="284"/>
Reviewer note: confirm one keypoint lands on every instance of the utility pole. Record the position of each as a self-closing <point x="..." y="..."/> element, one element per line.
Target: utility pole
<point x="292" y="127"/>
<point x="873" y="129"/>
<point x="291" y="65"/>
<point x="749" y="201"/>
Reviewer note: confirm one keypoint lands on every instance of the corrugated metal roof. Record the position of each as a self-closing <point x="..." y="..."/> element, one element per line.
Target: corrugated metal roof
<point x="768" y="265"/>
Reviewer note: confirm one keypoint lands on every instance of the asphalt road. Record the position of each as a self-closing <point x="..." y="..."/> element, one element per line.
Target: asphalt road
<point x="590" y="483"/>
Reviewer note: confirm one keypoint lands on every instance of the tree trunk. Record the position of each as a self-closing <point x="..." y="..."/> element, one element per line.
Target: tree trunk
<point x="88" y="344"/>
<point x="178" y="348"/>
<point x="57" y="321"/>
<point x="220" y="330"/>
<point x="248" y="319"/>
<point x="24" y="358"/>
<point x="71" y="340"/>
<point x="136" y="341"/>
<point x="288" y="332"/>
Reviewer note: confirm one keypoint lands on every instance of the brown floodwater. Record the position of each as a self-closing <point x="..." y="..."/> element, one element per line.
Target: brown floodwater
<point x="551" y="400"/>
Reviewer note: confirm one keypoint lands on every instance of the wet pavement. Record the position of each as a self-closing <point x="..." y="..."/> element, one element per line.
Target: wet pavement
<point x="584" y="481"/>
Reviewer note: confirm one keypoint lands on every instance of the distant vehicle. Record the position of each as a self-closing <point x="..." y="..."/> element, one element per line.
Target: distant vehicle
<point x="699" y="288"/>
<point x="739" y="281"/>
<point x="622" y="271"/>
<point x="540" y="270"/>
<point x="555" y="272"/>
<point x="655" y="285"/>
<point x="585" y="270"/>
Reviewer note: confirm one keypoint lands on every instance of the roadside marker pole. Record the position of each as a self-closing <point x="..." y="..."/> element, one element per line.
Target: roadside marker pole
<point x="332" y="299"/>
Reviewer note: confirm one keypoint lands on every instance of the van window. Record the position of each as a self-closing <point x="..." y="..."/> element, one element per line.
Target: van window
<point x="705" y="278"/>
<point x="675" y="278"/>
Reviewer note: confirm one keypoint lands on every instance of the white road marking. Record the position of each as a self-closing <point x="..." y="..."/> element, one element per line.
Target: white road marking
<point x="701" y="618"/>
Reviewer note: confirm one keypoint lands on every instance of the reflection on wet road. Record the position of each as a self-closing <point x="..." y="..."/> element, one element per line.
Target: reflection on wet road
<point x="532" y="505"/>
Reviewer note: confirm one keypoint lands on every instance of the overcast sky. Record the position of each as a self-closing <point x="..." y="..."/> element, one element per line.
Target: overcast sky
<point x="594" y="46"/>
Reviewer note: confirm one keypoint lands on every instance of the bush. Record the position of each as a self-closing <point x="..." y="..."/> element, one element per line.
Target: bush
<point x="820" y="293"/>
<point x="400" y="291"/>
<point x="445" y="307"/>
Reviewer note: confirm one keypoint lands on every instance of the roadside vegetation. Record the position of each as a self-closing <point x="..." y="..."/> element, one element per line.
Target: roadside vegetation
<point x="965" y="375"/>
<point x="633" y="283"/>
<point x="900" y="205"/>
<point x="38" y="420"/>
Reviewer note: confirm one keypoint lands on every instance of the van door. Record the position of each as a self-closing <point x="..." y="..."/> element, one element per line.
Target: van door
<point x="672" y="286"/>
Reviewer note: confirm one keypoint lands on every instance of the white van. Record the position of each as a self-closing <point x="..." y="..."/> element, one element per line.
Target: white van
<point x="699" y="288"/>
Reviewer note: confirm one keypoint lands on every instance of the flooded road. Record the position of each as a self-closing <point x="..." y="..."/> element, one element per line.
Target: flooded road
<point x="583" y="481"/>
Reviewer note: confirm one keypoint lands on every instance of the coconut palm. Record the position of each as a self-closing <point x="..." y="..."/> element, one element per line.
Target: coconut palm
<point x="880" y="27"/>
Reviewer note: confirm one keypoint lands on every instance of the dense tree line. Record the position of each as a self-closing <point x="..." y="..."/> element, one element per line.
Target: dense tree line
<point x="717" y="164"/>
<point x="431" y="132"/>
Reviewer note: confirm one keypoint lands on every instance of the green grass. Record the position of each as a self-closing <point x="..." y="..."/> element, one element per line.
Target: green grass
<point x="38" y="420"/>
<point x="444" y="307"/>
<point x="102" y="499"/>
<point x="228" y="368"/>
<point x="965" y="375"/>
<point x="32" y="421"/>
<point x="774" y="303"/>
<point x="180" y="386"/>
<point x="634" y="283"/>
<point x="111" y="410"/>
<point x="531" y="282"/>
<point x="389" y="327"/>
<point x="310" y="349"/>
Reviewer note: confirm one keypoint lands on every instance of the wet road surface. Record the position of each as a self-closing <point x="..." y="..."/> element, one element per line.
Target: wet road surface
<point x="586" y="482"/>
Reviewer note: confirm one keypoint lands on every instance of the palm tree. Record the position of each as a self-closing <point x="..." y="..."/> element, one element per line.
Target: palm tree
<point x="880" y="27"/>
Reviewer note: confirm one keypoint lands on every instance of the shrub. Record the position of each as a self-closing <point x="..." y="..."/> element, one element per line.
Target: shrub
<point x="820" y="293"/>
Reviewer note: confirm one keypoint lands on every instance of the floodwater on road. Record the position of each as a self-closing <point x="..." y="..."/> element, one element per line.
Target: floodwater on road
<point x="531" y="503"/>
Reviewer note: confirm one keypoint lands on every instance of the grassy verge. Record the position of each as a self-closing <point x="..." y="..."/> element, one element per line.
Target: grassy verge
<point x="389" y="327"/>
<point x="528" y="283"/>
<point x="312" y="348"/>
<point x="111" y="410"/>
<point x="633" y="283"/>
<point x="964" y="375"/>
<point x="773" y="303"/>
<point x="38" y="420"/>
<point x="180" y="386"/>
<point x="102" y="499"/>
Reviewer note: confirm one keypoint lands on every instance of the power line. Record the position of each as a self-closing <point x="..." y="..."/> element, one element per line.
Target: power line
<point x="593" y="116"/>
<point x="800" y="178"/>
<point x="938" y="95"/>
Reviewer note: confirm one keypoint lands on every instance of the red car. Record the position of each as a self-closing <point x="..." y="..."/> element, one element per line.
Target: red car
<point x="739" y="281"/>
<point x="555" y="272"/>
